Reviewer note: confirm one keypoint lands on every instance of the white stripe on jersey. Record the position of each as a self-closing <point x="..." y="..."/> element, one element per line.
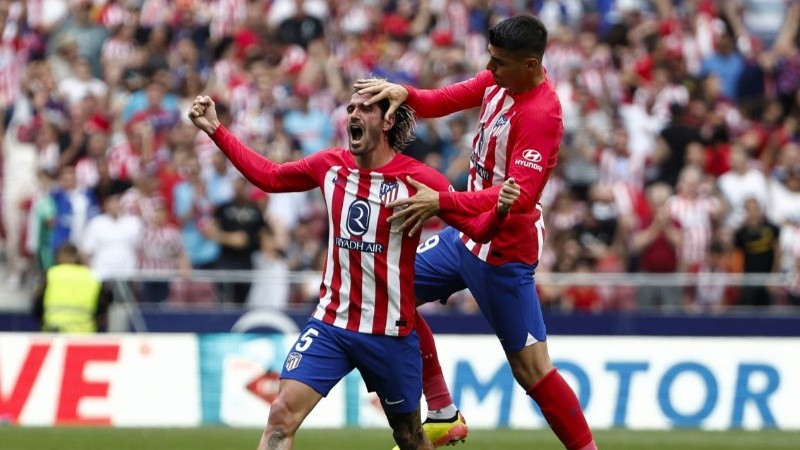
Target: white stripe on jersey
<point x="496" y="106"/>
<point x="327" y="276"/>
<point x="351" y="189"/>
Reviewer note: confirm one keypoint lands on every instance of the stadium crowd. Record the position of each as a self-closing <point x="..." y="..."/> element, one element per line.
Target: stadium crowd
<point x="681" y="150"/>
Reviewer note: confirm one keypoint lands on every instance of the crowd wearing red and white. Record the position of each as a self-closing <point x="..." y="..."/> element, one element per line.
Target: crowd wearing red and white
<point x="681" y="150"/>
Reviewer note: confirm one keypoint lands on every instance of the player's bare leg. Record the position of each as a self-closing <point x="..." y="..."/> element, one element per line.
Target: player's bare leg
<point x="407" y="431"/>
<point x="295" y="401"/>
<point x="534" y="371"/>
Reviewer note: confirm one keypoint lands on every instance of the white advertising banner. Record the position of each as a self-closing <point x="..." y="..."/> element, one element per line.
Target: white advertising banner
<point x="118" y="380"/>
<point x="188" y="380"/>
<point x="637" y="382"/>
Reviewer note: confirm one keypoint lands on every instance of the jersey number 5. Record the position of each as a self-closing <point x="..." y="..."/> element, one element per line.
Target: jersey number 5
<point x="306" y="340"/>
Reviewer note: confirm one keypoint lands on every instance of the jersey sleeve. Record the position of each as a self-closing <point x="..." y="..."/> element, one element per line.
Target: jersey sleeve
<point x="268" y="176"/>
<point x="480" y="226"/>
<point x="533" y="152"/>
<point x="449" y="99"/>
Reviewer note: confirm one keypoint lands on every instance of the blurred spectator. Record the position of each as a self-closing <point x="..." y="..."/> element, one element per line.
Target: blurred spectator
<point x="584" y="298"/>
<point x="161" y="250"/>
<point x="301" y="28"/>
<point x="194" y="211"/>
<point x="40" y="223"/>
<point x="710" y="294"/>
<point x="73" y="208"/>
<point x="86" y="169"/>
<point x="794" y="286"/>
<point x="674" y="139"/>
<point x="111" y="240"/>
<point x="741" y="183"/>
<point x="759" y="241"/>
<point x="654" y="243"/>
<point x="726" y="63"/>
<point x="308" y="124"/>
<point x="238" y="226"/>
<point x="107" y="184"/>
<point x="618" y="165"/>
<point x="694" y="211"/>
<point x="81" y="83"/>
<point x="270" y="287"/>
<point x="88" y="35"/>
<point x="71" y="298"/>
<point x="143" y="198"/>
<point x="220" y="179"/>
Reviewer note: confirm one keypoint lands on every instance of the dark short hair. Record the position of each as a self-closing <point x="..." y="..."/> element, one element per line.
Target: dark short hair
<point x="523" y="34"/>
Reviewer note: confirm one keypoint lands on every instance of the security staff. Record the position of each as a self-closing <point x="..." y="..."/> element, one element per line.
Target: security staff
<point x="71" y="299"/>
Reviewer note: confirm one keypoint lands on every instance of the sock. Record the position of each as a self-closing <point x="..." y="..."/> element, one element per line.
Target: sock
<point x="446" y="414"/>
<point x="433" y="385"/>
<point x="562" y="411"/>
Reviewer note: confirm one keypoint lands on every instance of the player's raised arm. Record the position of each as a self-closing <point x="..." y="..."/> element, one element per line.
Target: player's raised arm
<point x="480" y="224"/>
<point x="259" y="170"/>
<point x="428" y="102"/>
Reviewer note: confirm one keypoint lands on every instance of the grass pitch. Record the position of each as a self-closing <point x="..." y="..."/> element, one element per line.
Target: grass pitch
<point x="209" y="438"/>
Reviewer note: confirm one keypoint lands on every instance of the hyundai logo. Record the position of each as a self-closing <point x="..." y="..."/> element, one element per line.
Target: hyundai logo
<point x="532" y="155"/>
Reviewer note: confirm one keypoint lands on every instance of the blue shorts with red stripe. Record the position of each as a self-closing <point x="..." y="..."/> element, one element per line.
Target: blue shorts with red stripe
<point x="390" y="366"/>
<point x="506" y="294"/>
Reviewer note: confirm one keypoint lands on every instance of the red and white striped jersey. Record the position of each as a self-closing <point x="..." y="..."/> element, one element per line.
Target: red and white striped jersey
<point x="694" y="216"/>
<point x="368" y="282"/>
<point x="13" y="57"/>
<point x="518" y="136"/>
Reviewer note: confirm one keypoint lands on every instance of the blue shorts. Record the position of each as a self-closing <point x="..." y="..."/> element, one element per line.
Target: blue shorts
<point x="506" y="294"/>
<point x="390" y="366"/>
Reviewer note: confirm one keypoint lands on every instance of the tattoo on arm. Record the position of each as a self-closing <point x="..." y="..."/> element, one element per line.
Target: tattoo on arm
<point x="276" y="440"/>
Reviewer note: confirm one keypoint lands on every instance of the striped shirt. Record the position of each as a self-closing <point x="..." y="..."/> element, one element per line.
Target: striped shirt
<point x="518" y="136"/>
<point x="694" y="217"/>
<point x="368" y="280"/>
<point x="161" y="247"/>
<point x="13" y="56"/>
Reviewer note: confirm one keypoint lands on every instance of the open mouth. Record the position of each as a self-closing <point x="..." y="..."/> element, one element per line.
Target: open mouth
<point x="356" y="132"/>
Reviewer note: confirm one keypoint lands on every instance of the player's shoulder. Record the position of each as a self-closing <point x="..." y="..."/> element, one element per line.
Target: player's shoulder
<point x="544" y="100"/>
<point x="331" y="156"/>
<point x="418" y="170"/>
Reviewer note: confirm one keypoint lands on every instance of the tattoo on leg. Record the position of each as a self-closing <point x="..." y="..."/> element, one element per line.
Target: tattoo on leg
<point x="276" y="440"/>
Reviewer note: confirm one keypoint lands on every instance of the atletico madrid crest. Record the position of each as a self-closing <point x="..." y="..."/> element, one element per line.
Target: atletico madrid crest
<point x="389" y="190"/>
<point x="293" y="360"/>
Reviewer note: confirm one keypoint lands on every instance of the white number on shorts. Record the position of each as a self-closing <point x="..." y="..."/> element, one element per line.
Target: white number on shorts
<point x="306" y="340"/>
<point x="428" y="244"/>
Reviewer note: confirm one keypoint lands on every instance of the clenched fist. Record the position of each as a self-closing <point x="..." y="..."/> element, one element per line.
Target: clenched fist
<point x="203" y="114"/>
<point x="509" y="194"/>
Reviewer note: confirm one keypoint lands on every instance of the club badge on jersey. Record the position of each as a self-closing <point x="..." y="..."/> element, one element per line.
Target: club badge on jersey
<point x="389" y="192"/>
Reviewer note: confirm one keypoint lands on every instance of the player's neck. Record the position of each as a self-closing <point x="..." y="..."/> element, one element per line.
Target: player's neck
<point x="376" y="158"/>
<point x="527" y="87"/>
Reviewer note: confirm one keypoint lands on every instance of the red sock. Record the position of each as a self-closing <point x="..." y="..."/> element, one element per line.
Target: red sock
<point x="433" y="385"/>
<point x="562" y="411"/>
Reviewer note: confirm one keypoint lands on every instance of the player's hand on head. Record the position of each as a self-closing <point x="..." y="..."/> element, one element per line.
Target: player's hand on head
<point x="414" y="211"/>
<point x="382" y="89"/>
<point x="203" y="114"/>
<point x="509" y="194"/>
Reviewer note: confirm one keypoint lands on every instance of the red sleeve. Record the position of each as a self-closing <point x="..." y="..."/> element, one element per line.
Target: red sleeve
<point x="449" y="99"/>
<point x="479" y="225"/>
<point x="266" y="175"/>
<point x="533" y="152"/>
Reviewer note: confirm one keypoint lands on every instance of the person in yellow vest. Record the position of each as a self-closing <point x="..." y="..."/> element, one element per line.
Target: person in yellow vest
<point x="71" y="298"/>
